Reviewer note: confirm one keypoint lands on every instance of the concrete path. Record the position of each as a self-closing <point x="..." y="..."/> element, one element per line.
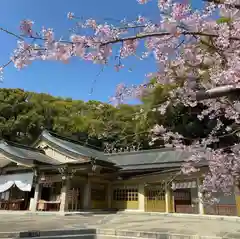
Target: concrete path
<point x="184" y="225"/>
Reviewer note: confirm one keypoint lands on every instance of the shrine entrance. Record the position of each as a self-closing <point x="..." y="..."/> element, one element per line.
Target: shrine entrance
<point x="125" y="197"/>
<point x="75" y="202"/>
<point x="99" y="196"/>
<point x="185" y="195"/>
<point x="155" y="198"/>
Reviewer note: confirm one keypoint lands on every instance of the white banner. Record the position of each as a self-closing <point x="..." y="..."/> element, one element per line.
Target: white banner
<point x="23" y="181"/>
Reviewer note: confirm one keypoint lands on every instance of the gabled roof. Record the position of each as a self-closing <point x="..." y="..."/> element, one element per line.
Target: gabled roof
<point x="24" y="155"/>
<point x="73" y="148"/>
<point x="145" y="160"/>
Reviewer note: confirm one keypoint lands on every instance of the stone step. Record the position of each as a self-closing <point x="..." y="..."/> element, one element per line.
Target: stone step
<point x="179" y="215"/>
<point x="81" y="236"/>
<point x="107" y="234"/>
<point x="50" y="233"/>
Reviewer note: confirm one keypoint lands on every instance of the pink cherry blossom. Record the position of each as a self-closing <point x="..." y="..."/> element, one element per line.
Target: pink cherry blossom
<point x="141" y="19"/>
<point x="26" y="27"/>
<point x="118" y="67"/>
<point x="192" y="50"/>
<point x="48" y="35"/>
<point x="157" y="129"/>
<point x="142" y="1"/>
<point x="129" y="48"/>
<point x="179" y="11"/>
<point x="70" y="15"/>
<point x="91" y="23"/>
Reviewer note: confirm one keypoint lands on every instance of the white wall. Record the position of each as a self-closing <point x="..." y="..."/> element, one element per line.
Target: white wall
<point x="54" y="153"/>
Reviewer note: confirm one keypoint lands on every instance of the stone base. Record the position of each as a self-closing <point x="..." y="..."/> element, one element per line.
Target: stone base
<point x="120" y="225"/>
<point x="126" y="212"/>
<point x="105" y="234"/>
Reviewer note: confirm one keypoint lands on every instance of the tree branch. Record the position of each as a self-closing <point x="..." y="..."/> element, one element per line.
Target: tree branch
<point x="218" y="92"/>
<point x="237" y="6"/>
<point x="161" y="34"/>
<point x="11" y="33"/>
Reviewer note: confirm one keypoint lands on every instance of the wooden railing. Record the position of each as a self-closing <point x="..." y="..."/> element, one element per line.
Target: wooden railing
<point x="186" y="209"/>
<point x="17" y="204"/>
<point x="227" y="210"/>
<point x="48" y="205"/>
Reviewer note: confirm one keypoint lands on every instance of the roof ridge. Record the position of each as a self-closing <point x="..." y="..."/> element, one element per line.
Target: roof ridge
<point x="157" y="163"/>
<point x="72" y="140"/>
<point x="161" y="149"/>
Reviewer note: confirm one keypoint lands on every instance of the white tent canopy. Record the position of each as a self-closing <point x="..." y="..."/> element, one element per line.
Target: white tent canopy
<point x="23" y="181"/>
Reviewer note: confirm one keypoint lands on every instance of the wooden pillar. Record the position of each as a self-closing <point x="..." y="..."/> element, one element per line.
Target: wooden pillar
<point x="237" y="199"/>
<point x="64" y="195"/>
<point x="168" y="198"/>
<point x="37" y="195"/>
<point x="87" y="195"/>
<point x="200" y="203"/>
<point x="109" y="195"/>
<point x="141" y="197"/>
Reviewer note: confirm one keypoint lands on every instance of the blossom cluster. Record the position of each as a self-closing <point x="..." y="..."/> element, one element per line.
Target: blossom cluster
<point x="193" y="51"/>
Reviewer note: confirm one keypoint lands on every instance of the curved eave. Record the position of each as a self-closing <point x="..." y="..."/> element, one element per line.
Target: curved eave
<point x="157" y="173"/>
<point x="21" y="161"/>
<point x="162" y="172"/>
<point x="76" y="155"/>
<point x="96" y="162"/>
<point x="149" y="167"/>
<point x="18" y="160"/>
<point x="106" y="164"/>
<point x="65" y="151"/>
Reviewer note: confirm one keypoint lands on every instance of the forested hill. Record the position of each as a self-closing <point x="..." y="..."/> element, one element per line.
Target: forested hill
<point x="23" y="115"/>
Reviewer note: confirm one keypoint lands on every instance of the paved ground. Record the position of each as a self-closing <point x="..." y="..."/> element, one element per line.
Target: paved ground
<point x="134" y="222"/>
<point x="174" y="225"/>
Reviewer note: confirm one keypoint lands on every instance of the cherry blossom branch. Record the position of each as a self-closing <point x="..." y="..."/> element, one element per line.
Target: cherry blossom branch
<point x="11" y="33"/>
<point x="184" y="66"/>
<point x="161" y="34"/>
<point x="233" y="5"/>
<point x="218" y="92"/>
<point x="23" y="37"/>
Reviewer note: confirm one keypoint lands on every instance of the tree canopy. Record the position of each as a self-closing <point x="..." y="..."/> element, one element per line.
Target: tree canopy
<point x="24" y="115"/>
<point x="193" y="51"/>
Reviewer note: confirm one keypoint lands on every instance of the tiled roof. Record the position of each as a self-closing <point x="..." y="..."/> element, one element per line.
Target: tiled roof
<point x="149" y="159"/>
<point x="25" y="155"/>
<point x="164" y="158"/>
<point x="151" y="156"/>
<point x="73" y="148"/>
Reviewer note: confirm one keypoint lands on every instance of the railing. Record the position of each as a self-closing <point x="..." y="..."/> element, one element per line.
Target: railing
<point x="225" y="210"/>
<point x="16" y="204"/>
<point x="48" y="205"/>
<point x="186" y="209"/>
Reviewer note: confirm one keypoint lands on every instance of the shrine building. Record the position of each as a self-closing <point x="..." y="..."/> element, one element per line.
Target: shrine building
<point x="59" y="174"/>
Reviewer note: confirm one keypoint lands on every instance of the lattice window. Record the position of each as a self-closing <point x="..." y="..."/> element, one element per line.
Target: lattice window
<point x="125" y="194"/>
<point x="5" y="195"/>
<point x="155" y="194"/>
<point x="182" y="195"/>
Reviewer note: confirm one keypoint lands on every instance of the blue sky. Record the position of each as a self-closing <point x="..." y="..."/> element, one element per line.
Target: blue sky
<point x="75" y="79"/>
